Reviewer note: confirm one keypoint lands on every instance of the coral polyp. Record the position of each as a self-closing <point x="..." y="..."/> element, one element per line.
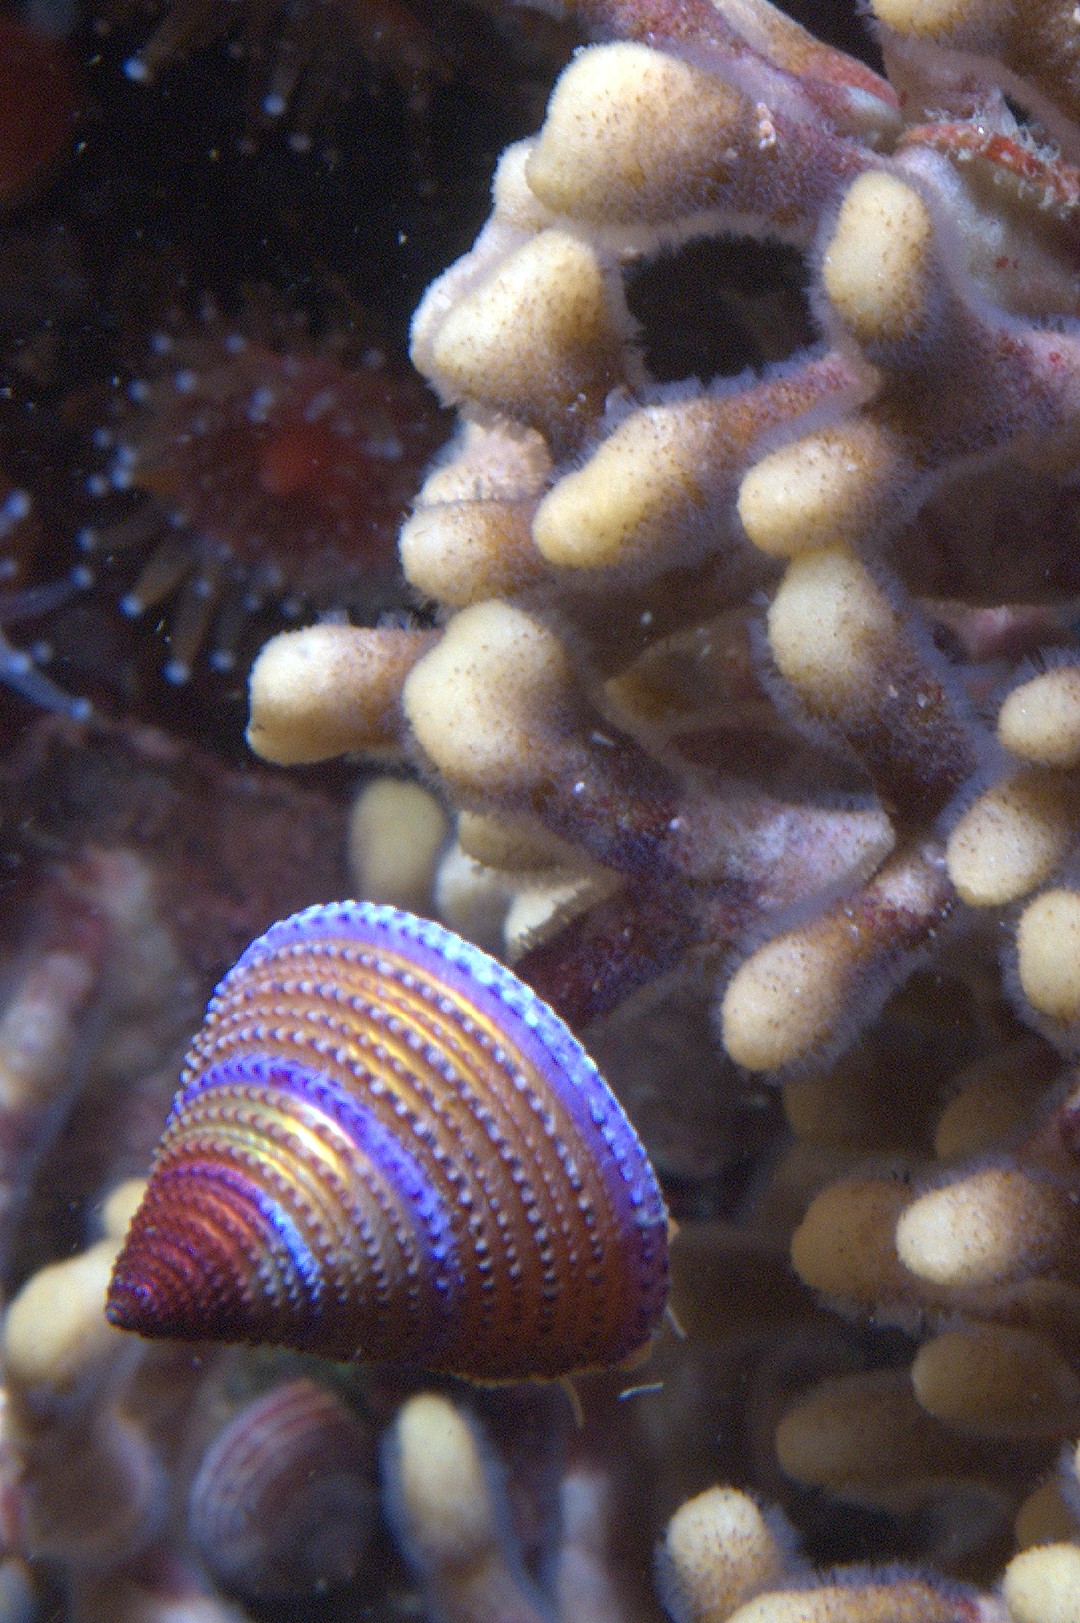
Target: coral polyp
<point x="273" y="477"/>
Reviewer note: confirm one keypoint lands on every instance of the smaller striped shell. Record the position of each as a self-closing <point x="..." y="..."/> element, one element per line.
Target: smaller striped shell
<point x="284" y="1501"/>
<point x="385" y="1146"/>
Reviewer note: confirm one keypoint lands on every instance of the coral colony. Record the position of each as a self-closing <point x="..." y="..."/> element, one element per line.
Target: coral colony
<point x="741" y="715"/>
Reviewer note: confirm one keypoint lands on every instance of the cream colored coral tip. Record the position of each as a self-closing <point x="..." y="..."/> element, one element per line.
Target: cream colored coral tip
<point x="934" y="1377"/>
<point x="813" y="493"/>
<point x="719" y="1550"/>
<point x="593" y="517"/>
<point x="544" y="302"/>
<point x="1010" y="840"/>
<point x="994" y="1097"/>
<point x="875" y="266"/>
<point x="479" y="703"/>
<point x="488" y="462"/>
<point x="844" y="1244"/>
<point x="396" y="831"/>
<point x="327" y="689"/>
<point x="1040" y="719"/>
<point x="780" y="1003"/>
<point x="426" y="546"/>
<point x="857" y="1602"/>
<point x="996" y="1380"/>
<point x="119" y="1207"/>
<point x="1042" y="1585"/>
<point x="1048" y="954"/>
<point x="464" y="552"/>
<point x="834" y="1433"/>
<point x="513" y="843"/>
<point x="936" y="19"/>
<point x="512" y="197"/>
<point x="472" y="899"/>
<point x="544" y="905"/>
<point x="55" y="1328"/>
<point x="624" y="125"/>
<point x="441" y="1486"/>
<point x="831" y="629"/>
<point x="981" y="1230"/>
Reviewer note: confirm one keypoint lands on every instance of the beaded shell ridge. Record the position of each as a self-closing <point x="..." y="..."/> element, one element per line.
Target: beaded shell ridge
<point x="386" y="1147"/>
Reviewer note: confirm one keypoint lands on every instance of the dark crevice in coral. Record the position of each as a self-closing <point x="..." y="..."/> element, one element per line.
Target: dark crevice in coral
<point x="715" y="307"/>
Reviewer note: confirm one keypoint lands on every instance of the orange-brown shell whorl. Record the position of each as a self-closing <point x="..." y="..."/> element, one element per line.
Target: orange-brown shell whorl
<point x="385" y="1146"/>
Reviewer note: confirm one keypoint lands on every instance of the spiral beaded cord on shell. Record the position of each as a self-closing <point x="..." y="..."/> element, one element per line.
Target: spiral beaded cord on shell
<point x="385" y="1146"/>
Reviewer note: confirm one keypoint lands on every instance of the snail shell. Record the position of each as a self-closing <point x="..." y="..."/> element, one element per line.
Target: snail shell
<point x="385" y="1146"/>
<point x="284" y="1500"/>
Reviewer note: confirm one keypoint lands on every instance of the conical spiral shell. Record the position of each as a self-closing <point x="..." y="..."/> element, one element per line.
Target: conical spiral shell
<point x="386" y="1147"/>
<point x="284" y="1500"/>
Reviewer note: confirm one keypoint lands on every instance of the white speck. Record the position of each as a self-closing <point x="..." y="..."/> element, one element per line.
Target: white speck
<point x="766" y="129"/>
